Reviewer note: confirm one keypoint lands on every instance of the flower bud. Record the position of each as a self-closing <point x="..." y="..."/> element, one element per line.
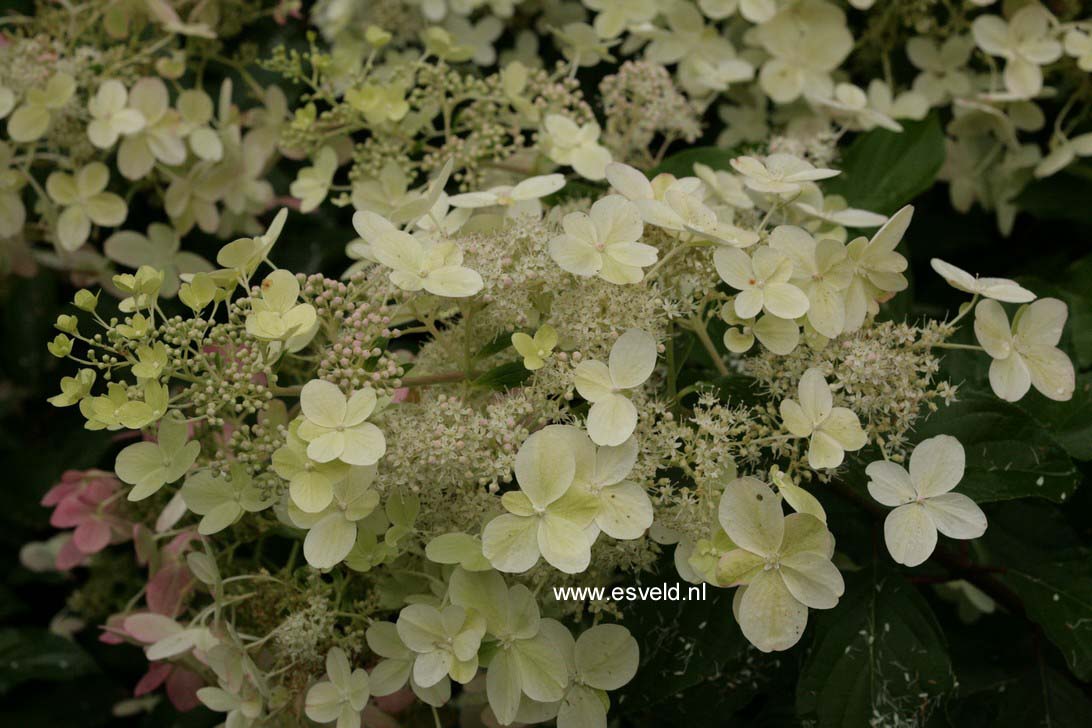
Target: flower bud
<point x="85" y="300"/>
<point x="67" y="324"/>
<point x="60" y="347"/>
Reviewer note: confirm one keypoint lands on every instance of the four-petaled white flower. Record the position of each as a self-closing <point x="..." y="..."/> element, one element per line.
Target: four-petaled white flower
<point x="534" y="350"/>
<point x="445" y="641"/>
<point x="565" y="142"/>
<point x="1026" y="42"/>
<point x="779" y="174"/>
<point x="85" y="201"/>
<point x="1026" y="354"/>
<point x="999" y="289"/>
<point x="547" y="517"/>
<point x="612" y="417"/>
<point x="520" y="200"/>
<point x="110" y="118"/>
<point x="922" y="500"/>
<point x="278" y="315"/>
<point x="822" y="271"/>
<point x="312" y="183"/>
<point x="781" y="563"/>
<point x="336" y="427"/>
<point x="832" y="430"/>
<point x="415" y="263"/>
<point x="341" y="696"/>
<point x="763" y="282"/>
<point x="806" y="41"/>
<point x="603" y="242"/>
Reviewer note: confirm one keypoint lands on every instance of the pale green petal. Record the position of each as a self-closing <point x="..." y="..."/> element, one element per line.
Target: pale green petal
<point x="751" y="515"/>
<point x="312" y="492"/>
<point x="511" y="543"/>
<point x="453" y="281"/>
<point x="503" y="686"/>
<point x="956" y="516"/>
<point x="544" y="468"/>
<point x="812" y="579"/>
<point x="1010" y="377"/>
<point x="889" y="483"/>
<point x="625" y="511"/>
<point x="632" y="359"/>
<point x="612" y="420"/>
<point x="606" y="656"/>
<point x="936" y="465"/>
<point x="563" y="544"/>
<point x="795" y="419"/>
<point x="323" y="702"/>
<point x="593" y="381"/>
<point x="431" y="667"/>
<point x="738" y="566"/>
<point x="364" y="445"/>
<point x="910" y="534"/>
<point x="769" y="615"/>
<point x="543" y="673"/>
<point x="390" y="676"/>
<point x="815" y="396"/>
<point x="323" y="403"/>
<point x="329" y="541"/>
<point x="582" y="708"/>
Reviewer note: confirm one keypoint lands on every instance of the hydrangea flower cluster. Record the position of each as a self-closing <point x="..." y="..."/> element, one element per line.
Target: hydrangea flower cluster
<point x="352" y="495"/>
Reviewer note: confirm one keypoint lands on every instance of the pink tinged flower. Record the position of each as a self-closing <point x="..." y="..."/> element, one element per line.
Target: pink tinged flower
<point x="70" y="556"/>
<point x="168" y="589"/>
<point x="182" y="684"/>
<point x="182" y="687"/>
<point x="157" y="674"/>
<point x="113" y="632"/>
<point x="400" y="395"/>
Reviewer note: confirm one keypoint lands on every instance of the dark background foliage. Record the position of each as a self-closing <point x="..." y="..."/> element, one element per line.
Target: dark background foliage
<point x="891" y="653"/>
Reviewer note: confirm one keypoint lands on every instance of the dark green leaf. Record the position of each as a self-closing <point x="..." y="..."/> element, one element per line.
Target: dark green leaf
<point x="507" y="375"/>
<point x="1054" y="583"/>
<point x="1009" y="455"/>
<point x="879" y="654"/>
<point x="1069" y="422"/>
<point x="883" y="170"/>
<point x="682" y="164"/>
<point x="1063" y="196"/>
<point x="688" y="648"/>
<point x="37" y="654"/>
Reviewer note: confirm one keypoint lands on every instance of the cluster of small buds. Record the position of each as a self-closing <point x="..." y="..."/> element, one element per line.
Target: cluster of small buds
<point x="640" y="101"/>
<point x="231" y="376"/>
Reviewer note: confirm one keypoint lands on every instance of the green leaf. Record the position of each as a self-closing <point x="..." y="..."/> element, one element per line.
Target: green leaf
<point x="1058" y="596"/>
<point x="696" y="666"/>
<point x="504" y="376"/>
<point x="1063" y="196"/>
<point x="1054" y="582"/>
<point x="682" y="163"/>
<point x="1009" y="455"/>
<point x="880" y="652"/>
<point x="37" y="654"/>
<point x="883" y="170"/>
<point x="1040" y="697"/>
<point x="1069" y="422"/>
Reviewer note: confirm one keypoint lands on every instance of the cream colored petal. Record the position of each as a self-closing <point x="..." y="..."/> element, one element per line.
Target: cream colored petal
<point x="511" y="543"/>
<point x="889" y="483"/>
<point x="611" y="420"/>
<point x="769" y="615"/>
<point x="956" y="516"/>
<point x="812" y="579"/>
<point x="910" y="534"/>
<point x="750" y="513"/>
<point x="632" y="359"/>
